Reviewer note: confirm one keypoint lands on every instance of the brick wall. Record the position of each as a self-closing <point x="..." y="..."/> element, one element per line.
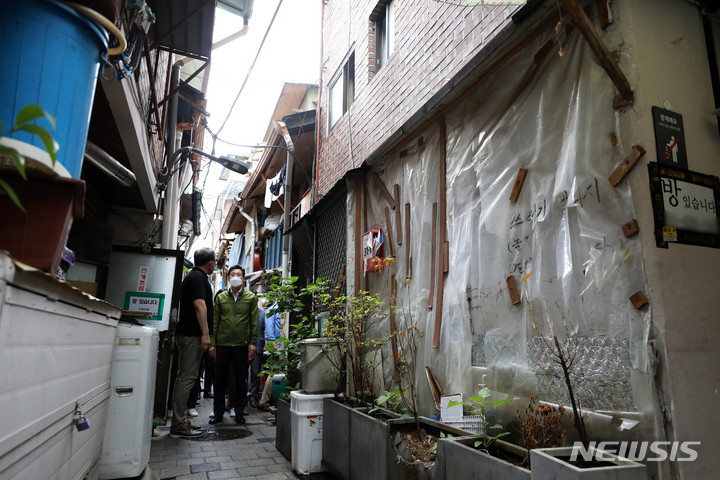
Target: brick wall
<point x="433" y="41"/>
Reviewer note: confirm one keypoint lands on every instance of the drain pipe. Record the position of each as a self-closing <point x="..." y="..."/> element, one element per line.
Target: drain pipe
<point x="171" y="210"/>
<point x="288" y="195"/>
<point x="249" y="269"/>
<point x="233" y="37"/>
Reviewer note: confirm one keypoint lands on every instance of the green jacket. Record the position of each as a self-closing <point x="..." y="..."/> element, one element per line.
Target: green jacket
<point x="236" y="323"/>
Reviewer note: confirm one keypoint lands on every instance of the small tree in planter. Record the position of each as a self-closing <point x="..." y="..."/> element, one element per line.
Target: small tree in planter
<point x="351" y="324"/>
<point x="556" y="463"/>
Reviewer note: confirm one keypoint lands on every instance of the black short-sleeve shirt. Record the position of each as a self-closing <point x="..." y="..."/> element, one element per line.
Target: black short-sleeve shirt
<point x="194" y="286"/>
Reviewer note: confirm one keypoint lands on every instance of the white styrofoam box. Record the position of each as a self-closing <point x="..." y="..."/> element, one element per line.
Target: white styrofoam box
<point x="454" y="413"/>
<point x="126" y="447"/>
<point x="56" y="346"/>
<point x="306" y="426"/>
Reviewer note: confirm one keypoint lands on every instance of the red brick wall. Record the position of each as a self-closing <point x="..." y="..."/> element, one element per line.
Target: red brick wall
<point x="433" y="41"/>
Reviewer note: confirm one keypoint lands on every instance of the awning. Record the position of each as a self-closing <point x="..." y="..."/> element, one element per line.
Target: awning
<point x="183" y="26"/>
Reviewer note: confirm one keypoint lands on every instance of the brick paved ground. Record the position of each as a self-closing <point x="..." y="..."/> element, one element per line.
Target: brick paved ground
<point x="252" y="457"/>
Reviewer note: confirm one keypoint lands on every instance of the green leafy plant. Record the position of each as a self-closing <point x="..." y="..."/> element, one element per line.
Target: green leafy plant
<point x="433" y="449"/>
<point x="478" y="407"/>
<point x="24" y="122"/>
<point x="353" y="323"/>
<point x="284" y="357"/>
<point x="393" y="401"/>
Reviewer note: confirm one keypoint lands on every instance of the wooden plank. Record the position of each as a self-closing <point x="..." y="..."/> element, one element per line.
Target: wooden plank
<point x="445" y="247"/>
<point x="433" y="258"/>
<point x="388" y="232"/>
<point x="630" y="228"/>
<point x="442" y="217"/>
<point x="513" y="289"/>
<point x="366" y="226"/>
<point x="638" y="299"/>
<point x="408" y="267"/>
<point x="398" y="219"/>
<point x="384" y="190"/>
<point x="603" y="13"/>
<point x="626" y="165"/>
<point x="598" y="47"/>
<point x="519" y="180"/>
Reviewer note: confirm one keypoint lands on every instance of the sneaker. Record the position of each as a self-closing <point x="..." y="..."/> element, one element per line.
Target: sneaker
<point x="264" y="407"/>
<point x="185" y="431"/>
<point x="191" y="412"/>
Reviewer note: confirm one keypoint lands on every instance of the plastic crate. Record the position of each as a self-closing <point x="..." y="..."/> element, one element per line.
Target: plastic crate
<point x="469" y="423"/>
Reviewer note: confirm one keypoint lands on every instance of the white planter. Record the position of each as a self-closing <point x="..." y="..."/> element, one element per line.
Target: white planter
<point x="56" y="346"/>
<point x="548" y="464"/>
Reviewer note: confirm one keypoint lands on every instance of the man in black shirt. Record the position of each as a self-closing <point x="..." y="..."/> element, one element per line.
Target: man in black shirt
<point x="192" y="336"/>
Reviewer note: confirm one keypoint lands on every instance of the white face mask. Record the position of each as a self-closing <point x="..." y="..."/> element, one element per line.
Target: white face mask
<point x="236" y="282"/>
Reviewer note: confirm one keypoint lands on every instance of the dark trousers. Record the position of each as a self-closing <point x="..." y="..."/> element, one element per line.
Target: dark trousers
<point x="209" y="365"/>
<point x="238" y="357"/>
<point x="255" y="369"/>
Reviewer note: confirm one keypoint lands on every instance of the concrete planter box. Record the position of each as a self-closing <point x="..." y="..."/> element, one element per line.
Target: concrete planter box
<point x="398" y="468"/>
<point x="550" y="464"/>
<point x="336" y="437"/>
<point x="368" y="436"/>
<point x="351" y="437"/>
<point x="463" y="460"/>
<point x="283" y="433"/>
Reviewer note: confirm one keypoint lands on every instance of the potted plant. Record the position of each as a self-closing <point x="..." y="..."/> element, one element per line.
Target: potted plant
<point x="563" y="462"/>
<point x="483" y="455"/>
<point x="286" y="354"/>
<point x="413" y="449"/>
<point x="353" y="326"/>
<point x="38" y="208"/>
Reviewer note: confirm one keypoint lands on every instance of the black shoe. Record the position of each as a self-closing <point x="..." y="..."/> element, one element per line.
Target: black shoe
<point x="252" y="402"/>
<point x="216" y="419"/>
<point x="208" y="395"/>
<point x="263" y="408"/>
<point x="239" y="419"/>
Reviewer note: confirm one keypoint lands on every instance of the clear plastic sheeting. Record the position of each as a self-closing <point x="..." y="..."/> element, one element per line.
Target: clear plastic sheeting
<point x="562" y="240"/>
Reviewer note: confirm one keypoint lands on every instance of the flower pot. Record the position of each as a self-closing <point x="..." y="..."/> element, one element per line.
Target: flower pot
<point x="283" y="425"/>
<point x="38" y="237"/>
<point x="554" y="464"/>
<point x="463" y="460"/>
<point x="399" y="467"/>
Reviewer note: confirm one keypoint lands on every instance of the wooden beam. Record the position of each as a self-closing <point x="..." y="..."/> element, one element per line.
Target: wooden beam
<point x="388" y="232"/>
<point x="398" y="219"/>
<point x="518" y="185"/>
<point x="383" y="189"/>
<point x="599" y="49"/>
<point x="442" y="217"/>
<point x="433" y="258"/>
<point x="603" y="14"/>
<point x="408" y="267"/>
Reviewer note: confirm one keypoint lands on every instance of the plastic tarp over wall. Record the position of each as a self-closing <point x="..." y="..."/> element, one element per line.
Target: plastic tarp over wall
<point x="562" y="240"/>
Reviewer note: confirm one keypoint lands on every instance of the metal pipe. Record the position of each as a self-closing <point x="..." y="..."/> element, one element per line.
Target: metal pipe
<point x="171" y="210"/>
<point x="288" y="194"/>
<point x="249" y="269"/>
<point x="107" y="164"/>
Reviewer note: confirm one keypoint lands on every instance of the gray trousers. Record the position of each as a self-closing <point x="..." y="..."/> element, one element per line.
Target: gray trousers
<point x="189" y="357"/>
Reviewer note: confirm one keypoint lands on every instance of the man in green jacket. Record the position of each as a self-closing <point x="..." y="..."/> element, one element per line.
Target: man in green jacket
<point x="236" y="323"/>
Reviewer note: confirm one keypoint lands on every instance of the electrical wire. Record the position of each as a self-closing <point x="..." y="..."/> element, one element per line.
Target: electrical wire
<point x="247" y="76"/>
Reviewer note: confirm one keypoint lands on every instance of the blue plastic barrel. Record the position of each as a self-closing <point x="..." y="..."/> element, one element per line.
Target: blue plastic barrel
<point x="51" y="57"/>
